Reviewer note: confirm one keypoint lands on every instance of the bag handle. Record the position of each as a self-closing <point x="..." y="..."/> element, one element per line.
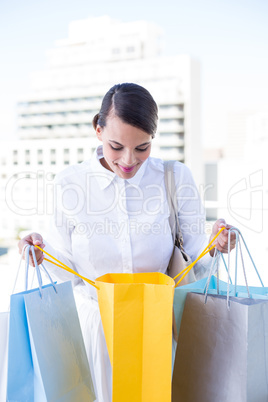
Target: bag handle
<point x="171" y="193"/>
<point x="65" y="267"/>
<point x="239" y="236"/>
<point x="39" y="276"/>
<point x="174" y="219"/>
<point x="183" y="272"/>
<point x="207" y="249"/>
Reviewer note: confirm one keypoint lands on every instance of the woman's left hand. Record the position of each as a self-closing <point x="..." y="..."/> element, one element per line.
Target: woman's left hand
<point x="221" y="242"/>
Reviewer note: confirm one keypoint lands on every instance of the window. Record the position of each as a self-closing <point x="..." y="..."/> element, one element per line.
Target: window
<point x="80" y="155"/>
<point x="66" y="160"/>
<point x="53" y="156"/>
<point x="116" y="50"/>
<point x="27" y="156"/>
<point x="15" y="157"/>
<point x="40" y="157"/>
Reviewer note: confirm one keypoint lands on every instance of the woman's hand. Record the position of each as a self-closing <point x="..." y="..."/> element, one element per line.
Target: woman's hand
<point x="221" y="242"/>
<point x="33" y="239"/>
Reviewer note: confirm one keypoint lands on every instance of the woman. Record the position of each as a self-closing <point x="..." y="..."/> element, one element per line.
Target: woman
<point x="111" y="214"/>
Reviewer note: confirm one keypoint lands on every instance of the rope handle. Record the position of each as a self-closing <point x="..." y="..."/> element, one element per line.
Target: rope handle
<point x="183" y="272"/>
<point x="65" y="267"/>
<point x="186" y="270"/>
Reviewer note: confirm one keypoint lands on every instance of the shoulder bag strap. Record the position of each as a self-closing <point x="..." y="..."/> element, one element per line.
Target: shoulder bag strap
<point x="172" y="203"/>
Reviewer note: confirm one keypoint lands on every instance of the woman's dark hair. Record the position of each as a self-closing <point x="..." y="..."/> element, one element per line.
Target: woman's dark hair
<point x="133" y="104"/>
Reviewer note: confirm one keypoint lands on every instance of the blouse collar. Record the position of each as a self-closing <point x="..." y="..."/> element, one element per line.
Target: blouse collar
<point x="105" y="177"/>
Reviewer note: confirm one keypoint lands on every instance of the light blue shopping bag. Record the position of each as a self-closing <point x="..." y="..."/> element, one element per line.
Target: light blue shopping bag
<point x="46" y="357"/>
<point x="20" y="374"/>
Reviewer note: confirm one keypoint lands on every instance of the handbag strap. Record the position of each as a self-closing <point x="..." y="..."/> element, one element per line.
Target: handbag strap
<point x="172" y="203"/>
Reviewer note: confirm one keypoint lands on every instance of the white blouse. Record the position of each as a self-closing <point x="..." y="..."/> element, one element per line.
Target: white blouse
<point x="103" y="223"/>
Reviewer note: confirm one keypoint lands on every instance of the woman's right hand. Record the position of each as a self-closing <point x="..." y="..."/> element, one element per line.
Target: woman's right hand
<point x="33" y="239"/>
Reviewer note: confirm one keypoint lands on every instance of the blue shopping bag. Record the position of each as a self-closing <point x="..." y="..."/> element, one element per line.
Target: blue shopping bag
<point x="46" y="355"/>
<point x="20" y="372"/>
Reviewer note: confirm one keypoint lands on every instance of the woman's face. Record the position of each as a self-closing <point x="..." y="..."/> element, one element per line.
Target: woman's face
<point x="125" y="147"/>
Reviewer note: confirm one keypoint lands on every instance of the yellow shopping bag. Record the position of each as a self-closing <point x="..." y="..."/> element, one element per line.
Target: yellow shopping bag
<point x="136" y="312"/>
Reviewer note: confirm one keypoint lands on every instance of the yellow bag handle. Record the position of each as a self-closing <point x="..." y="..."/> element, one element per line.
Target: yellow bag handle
<point x="63" y="266"/>
<point x="186" y="270"/>
<point x="183" y="273"/>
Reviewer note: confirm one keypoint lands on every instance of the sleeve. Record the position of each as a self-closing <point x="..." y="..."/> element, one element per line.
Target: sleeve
<point x="58" y="240"/>
<point x="192" y="219"/>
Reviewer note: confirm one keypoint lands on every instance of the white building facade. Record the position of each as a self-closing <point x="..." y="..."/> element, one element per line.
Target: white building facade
<point x="241" y="184"/>
<point x="55" y="119"/>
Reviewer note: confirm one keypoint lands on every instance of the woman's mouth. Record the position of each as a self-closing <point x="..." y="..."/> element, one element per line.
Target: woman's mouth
<point x="127" y="169"/>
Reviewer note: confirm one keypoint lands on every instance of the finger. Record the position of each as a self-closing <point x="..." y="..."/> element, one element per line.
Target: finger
<point x="36" y="239"/>
<point x="218" y="225"/>
<point x="223" y="246"/>
<point x="21" y="244"/>
<point x="229" y="226"/>
<point x="39" y="258"/>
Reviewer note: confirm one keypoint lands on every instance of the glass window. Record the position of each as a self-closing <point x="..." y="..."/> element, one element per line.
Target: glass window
<point x="130" y="49"/>
<point x="40" y="157"/>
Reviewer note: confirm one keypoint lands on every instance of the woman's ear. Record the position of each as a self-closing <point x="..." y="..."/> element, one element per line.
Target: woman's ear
<point x="99" y="132"/>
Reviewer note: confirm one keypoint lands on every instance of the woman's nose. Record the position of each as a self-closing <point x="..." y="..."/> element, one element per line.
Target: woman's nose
<point x="128" y="158"/>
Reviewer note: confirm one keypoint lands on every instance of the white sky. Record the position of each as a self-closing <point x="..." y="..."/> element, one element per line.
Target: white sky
<point x="228" y="37"/>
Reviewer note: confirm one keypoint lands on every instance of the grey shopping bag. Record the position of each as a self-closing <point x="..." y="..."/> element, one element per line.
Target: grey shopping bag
<point x="222" y="353"/>
<point x="61" y="370"/>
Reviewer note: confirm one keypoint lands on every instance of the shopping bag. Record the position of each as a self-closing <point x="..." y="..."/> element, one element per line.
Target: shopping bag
<point x="136" y="313"/>
<point x="222" y="353"/>
<point x="61" y="370"/>
<point x="4" y="320"/>
<point x="196" y="287"/>
<point x="46" y="355"/>
<point x="20" y="367"/>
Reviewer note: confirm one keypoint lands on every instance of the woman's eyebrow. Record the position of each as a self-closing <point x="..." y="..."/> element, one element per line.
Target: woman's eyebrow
<point x="145" y="143"/>
<point x="118" y="143"/>
<point x="115" y="142"/>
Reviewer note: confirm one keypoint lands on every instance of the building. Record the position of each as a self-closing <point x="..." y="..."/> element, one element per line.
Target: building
<point x="237" y="177"/>
<point x="55" y="119"/>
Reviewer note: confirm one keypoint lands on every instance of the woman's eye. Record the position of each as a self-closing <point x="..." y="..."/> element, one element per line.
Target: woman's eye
<point x="142" y="149"/>
<point x="116" y="149"/>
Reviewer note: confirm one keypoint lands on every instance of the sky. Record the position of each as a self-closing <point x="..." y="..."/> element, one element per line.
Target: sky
<point x="228" y="37"/>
